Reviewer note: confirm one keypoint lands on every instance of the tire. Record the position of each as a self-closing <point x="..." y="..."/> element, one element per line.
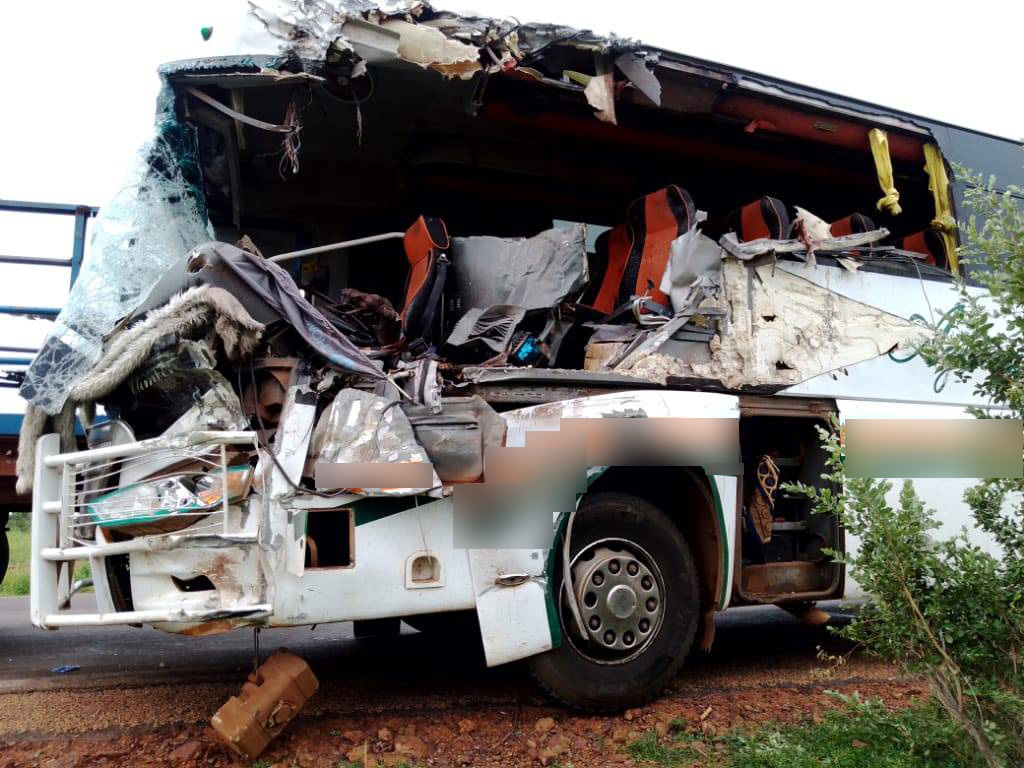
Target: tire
<point x="579" y="673"/>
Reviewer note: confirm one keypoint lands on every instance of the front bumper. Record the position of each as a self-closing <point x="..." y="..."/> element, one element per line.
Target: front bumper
<point x="225" y="541"/>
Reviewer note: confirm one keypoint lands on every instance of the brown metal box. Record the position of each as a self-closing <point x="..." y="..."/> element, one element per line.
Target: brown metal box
<point x="270" y="698"/>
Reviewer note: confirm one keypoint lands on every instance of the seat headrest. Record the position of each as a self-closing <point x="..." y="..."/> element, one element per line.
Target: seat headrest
<point x="669" y="210"/>
<point x="852" y="225"/>
<point x="928" y="243"/>
<point x="427" y="233"/>
<point x="766" y="217"/>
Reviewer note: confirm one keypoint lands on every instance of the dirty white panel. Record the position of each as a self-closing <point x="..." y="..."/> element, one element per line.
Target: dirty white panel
<point x="884" y="379"/>
<point x="546" y="417"/>
<point x="375" y="585"/>
<point x="942" y="494"/>
<point x="901" y="295"/>
<point x="511" y="602"/>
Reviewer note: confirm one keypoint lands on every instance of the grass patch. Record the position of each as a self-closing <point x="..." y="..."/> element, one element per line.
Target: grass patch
<point x="16" y="582"/>
<point x="864" y="734"/>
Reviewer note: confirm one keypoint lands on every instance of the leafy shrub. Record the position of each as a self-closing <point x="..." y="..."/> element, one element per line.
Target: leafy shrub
<point x="948" y="609"/>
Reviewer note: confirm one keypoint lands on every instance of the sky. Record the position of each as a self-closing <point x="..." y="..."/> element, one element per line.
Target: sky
<point x="79" y="83"/>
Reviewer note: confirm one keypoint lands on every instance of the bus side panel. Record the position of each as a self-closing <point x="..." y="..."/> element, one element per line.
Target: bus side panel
<point x="943" y="495"/>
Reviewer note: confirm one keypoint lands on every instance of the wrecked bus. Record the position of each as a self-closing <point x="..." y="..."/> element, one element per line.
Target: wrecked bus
<point x="415" y="245"/>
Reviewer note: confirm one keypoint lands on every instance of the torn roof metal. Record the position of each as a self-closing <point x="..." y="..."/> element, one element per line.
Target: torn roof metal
<point x="297" y="36"/>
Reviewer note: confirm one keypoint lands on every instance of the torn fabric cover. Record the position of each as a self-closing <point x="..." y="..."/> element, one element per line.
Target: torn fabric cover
<point x="483" y="333"/>
<point x="362" y="428"/>
<point x="277" y="289"/>
<point x="533" y="273"/>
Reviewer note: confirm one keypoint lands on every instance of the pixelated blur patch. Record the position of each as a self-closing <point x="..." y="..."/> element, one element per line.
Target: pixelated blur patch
<point x="408" y="474"/>
<point x="896" y="448"/>
<point x="512" y="516"/>
<point x="712" y="443"/>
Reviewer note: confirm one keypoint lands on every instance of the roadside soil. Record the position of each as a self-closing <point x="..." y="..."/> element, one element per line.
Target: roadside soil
<point x="417" y="722"/>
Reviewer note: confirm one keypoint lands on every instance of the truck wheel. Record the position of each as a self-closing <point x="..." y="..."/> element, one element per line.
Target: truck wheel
<point x="637" y="589"/>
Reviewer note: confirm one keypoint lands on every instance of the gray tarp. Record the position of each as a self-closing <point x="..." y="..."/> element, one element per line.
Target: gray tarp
<point x="532" y="273"/>
<point x="276" y="289"/>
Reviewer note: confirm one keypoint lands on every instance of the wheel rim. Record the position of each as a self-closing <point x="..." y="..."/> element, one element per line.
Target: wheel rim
<point x="620" y="593"/>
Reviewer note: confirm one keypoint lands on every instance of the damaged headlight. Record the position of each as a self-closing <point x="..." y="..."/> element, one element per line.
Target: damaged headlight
<point x="169" y="503"/>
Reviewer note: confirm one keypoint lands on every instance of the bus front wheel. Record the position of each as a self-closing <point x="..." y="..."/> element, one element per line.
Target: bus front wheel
<point x="637" y="591"/>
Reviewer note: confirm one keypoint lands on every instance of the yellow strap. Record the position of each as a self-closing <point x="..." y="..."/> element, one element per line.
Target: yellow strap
<point x="938" y="183"/>
<point x="879" y="141"/>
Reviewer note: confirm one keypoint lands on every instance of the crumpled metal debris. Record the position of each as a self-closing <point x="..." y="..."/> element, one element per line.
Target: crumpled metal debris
<point x="362" y="428"/>
<point x="695" y="260"/>
<point x="429" y="47"/>
<point x="127" y="349"/>
<point x="782" y="329"/>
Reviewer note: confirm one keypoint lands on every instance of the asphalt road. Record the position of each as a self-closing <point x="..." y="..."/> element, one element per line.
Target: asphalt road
<point x="108" y="656"/>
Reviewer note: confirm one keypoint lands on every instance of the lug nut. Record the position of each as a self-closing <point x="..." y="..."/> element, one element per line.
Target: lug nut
<point x="613" y="566"/>
<point x="644" y="625"/>
<point x="651" y="604"/>
<point x="590" y="599"/>
<point x="628" y="638"/>
<point x="595" y="622"/>
<point x="598" y="579"/>
<point x="609" y="637"/>
<point x="632" y="568"/>
<point x="646" y="582"/>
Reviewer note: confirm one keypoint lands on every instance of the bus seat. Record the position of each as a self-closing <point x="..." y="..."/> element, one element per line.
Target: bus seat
<point x="928" y="243"/>
<point x="425" y="242"/>
<point x="607" y="266"/>
<point x="853" y="224"/>
<point x="766" y="217"/>
<point x="654" y="221"/>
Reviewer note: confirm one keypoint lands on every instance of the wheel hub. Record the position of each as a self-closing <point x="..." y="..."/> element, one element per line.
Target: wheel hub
<point x="620" y="599"/>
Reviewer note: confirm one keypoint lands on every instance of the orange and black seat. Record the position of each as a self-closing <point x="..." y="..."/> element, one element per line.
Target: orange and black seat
<point x="929" y="243"/>
<point x="764" y="218"/>
<point x="425" y="243"/>
<point x="853" y="224"/>
<point x="654" y="221"/>
<point x="606" y="268"/>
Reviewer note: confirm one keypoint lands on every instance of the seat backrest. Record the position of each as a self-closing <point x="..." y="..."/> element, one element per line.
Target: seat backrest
<point x="606" y="268"/>
<point x="853" y="224"/>
<point x="766" y="217"/>
<point x="928" y="243"/>
<point x="425" y="242"/>
<point x="654" y="221"/>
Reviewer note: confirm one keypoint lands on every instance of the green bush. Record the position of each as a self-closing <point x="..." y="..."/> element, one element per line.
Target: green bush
<point x="948" y="609"/>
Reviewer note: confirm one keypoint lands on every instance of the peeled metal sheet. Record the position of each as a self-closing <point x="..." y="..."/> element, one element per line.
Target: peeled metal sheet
<point x="359" y="427"/>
